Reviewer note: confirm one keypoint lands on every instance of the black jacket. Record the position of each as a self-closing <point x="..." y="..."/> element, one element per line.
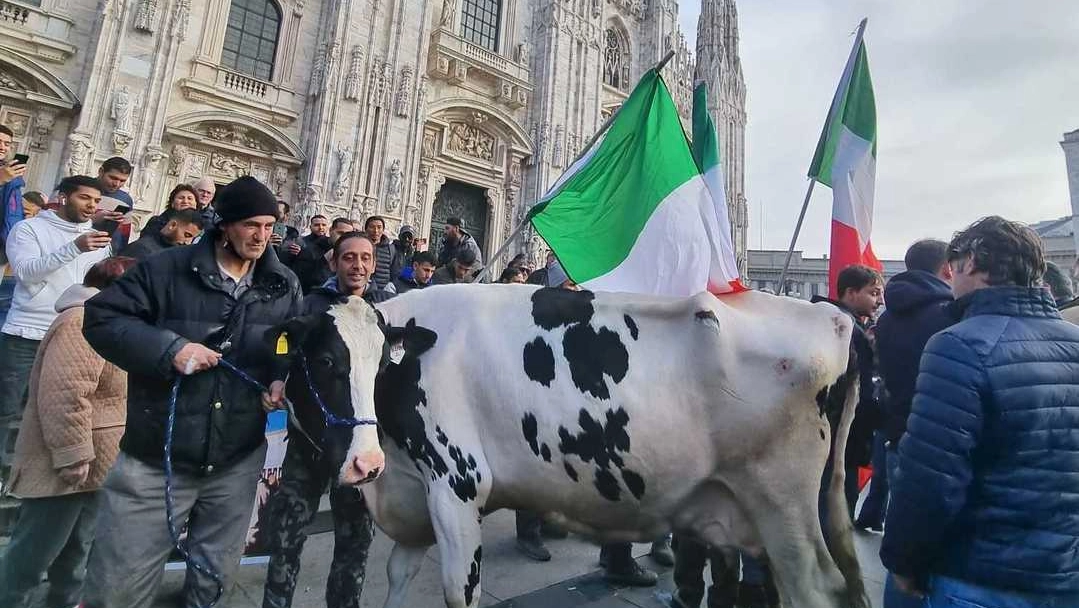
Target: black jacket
<point x="146" y="317"/>
<point x="402" y="258"/>
<point x="867" y="415"/>
<point x="147" y="245"/>
<point x="988" y="467"/>
<point x="918" y="307"/>
<point x="403" y="285"/>
<point x="322" y="298"/>
<point x="310" y="264"/>
<point x="291" y="234"/>
<point x="385" y="262"/>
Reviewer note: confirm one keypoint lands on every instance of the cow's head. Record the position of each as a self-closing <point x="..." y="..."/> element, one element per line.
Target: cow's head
<point x="344" y="348"/>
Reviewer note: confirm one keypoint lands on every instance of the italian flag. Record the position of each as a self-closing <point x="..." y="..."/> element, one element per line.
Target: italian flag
<point x="635" y="213"/>
<point x="846" y="161"/>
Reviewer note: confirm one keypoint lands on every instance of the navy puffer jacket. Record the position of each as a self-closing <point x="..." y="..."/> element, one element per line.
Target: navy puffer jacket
<point x="987" y="489"/>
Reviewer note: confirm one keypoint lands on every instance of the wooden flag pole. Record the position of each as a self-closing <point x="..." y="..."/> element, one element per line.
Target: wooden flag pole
<point x="588" y="146"/>
<point x="794" y="239"/>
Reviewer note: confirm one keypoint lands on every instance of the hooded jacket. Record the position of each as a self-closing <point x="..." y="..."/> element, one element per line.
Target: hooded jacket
<point x="147" y="245"/>
<point x="45" y="261"/>
<point x="986" y="485"/>
<point x="918" y="307"/>
<point x="75" y="411"/>
<point x="157" y="307"/>
<point x="449" y="251"/>
<point x="385" y="262"/>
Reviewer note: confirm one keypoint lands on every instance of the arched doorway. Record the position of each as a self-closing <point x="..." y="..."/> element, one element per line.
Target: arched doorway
<point x="458" y="199"/>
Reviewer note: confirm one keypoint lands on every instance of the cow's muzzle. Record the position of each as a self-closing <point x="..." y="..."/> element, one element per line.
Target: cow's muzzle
<point x="363" y="468"/>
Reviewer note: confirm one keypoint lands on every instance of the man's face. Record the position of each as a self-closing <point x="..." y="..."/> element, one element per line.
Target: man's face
<point x="5" y="145"/>
<point x="248" y="238"/>
<point x="179" y="234"/>
<point x="451" y="232"/>
<point x="865" y="301"/>
<point x="80" y="205"/>
<point x="461" y="270"/>
<point x="518" y="278"/>
<point x="183" y="200"/>
<point x="113" y="179"/>
<point x="374" y="230"/>
<point x="205" y="194"/>
<point x="406" y="239"/>
<point x="320" y="226"/>
<point x="340" y="228"/>
<point x="354" y="265"/>
<point x="422" y="272"/>
<point x="282" y="210"/>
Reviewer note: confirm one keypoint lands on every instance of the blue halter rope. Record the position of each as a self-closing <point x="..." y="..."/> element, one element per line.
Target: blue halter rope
<point x="328" y="417"/>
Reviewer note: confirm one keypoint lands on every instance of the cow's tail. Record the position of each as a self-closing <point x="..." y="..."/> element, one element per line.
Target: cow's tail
<point x="838" y="531"/>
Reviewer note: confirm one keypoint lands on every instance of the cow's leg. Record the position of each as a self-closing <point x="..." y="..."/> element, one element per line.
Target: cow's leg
<point x="457" y="528"/>
<point x="402" y="567"/>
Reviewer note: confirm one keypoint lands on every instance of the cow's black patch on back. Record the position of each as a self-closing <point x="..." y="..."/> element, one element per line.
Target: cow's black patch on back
<point x="467" y="476"/>
<point x="634" y="482"/>
<point x="553" y="308"/>
<point x="440" y="435"/>
<point x="539" y="361"/>
<point x="603" y="444"/>
<point x="592" y="355"/>
<point x="572" y="472"/>
<point x="545" y="452"/>
<point x="607" y="485"/>
<point x="531" y="432"/>
<point x="473" y="575"/>
<point x="632" y="325"/>
<point x="707" y="315"/>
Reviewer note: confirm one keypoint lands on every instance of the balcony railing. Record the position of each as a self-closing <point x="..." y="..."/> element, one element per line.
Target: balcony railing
<point x="449" y="45"/>
<point x="14" y="13"/>
<point x="27" y="27"/>
<point x="245" y="85"/>
<point x="219" y="86"/>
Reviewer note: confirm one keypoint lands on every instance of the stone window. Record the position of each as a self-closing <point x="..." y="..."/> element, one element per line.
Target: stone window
<point x="480" y="21"/>
<point x="616" y="60"/>
<point x="251" y="38"/>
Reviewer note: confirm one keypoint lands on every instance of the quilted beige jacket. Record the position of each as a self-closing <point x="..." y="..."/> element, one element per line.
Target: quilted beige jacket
<point x="76" y="408"/>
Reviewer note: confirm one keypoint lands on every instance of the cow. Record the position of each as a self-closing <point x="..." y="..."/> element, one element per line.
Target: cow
<point x="618" y="416"/>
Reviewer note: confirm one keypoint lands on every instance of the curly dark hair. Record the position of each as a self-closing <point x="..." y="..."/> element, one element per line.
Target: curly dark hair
<point x="1008" y="252"/>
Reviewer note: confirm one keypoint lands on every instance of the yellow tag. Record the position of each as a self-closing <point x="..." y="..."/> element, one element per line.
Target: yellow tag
<point x="282" y="344"/>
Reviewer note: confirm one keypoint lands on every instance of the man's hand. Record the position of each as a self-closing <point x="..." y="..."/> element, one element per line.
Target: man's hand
<point x="93" y="240"/>
<point x="276" y="239"/>
<point x="194" y="358"/>
<point x="104" y="215"/>
<point x="275" y="399"/>
<point x="74" y="475"/>
<point x="294" y="248"/>
<point x="908" y="586"/>
<point x="10" y="172"/>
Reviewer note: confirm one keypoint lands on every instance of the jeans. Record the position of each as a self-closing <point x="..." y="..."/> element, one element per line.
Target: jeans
<point x="893" y="597"/>
<point x="947" y="592"/>
<point x="7" y="293"/>
<point x="53" y="535"/>
<point x="133" y="541"/>
<point x="876" y="500"/>
<point x="16" y="360"/>
<point x="529" y="525"/>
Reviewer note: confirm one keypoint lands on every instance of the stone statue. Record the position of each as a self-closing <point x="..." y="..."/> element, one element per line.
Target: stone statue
<point x="121" y="109"/>
<point x="280" y="177"/>
<point x="178" y="160"/>
<point x="78" y="161"/>
<point x="522" y="53"/>
<point x="449" y="12"/>
<point x="149" y="172"/>
<point x="344" y="173"/>
<point x="43" y="125"/>
<point x="393" y="187"/>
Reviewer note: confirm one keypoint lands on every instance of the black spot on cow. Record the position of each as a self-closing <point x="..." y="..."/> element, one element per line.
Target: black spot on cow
<point x="592" y="355"/>
<point x="707" y="315"/>
<point x="822" y="401"/>
<point x="467" y="477"/>
<point x="473" y="575"/>
<point x="539" y="361"/>
<point x="822" y="435"/>
<point x="553" y="308"/>
<point x="572" y="472"/>
<point x="531" y="432"/>
<point x="607" y="485"/>
<point x="441" y="435"/>
<point x="634" y="482"/>
<point x="632" y="325"/>
<point x="602" y="443"/>
<point x="546" y="453"/>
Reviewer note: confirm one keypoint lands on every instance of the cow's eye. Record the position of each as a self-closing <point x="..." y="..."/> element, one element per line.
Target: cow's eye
<point x="325" y="361"/>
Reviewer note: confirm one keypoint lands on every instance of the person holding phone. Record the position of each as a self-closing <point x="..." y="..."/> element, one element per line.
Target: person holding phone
<point x="11" y="183"/>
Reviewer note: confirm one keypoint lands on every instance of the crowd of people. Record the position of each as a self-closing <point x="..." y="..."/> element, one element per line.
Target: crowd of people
<point x="967" y="413"/>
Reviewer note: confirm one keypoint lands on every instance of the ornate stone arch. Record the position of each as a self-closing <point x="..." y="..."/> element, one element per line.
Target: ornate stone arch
<point x="24" y="79"/>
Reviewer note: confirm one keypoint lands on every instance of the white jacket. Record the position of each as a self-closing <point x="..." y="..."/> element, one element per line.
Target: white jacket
<point x="45" y="261"/>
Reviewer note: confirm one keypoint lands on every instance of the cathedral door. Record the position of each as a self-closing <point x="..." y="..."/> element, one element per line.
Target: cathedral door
<point x="456" y="199"/>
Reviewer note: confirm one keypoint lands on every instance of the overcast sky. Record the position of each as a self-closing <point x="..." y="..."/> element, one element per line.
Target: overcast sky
<point x="973" y="98"/>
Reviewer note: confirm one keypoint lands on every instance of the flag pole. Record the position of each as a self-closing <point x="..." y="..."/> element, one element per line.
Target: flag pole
<point x="843" y="84"/>
<point x="584" y="150"/>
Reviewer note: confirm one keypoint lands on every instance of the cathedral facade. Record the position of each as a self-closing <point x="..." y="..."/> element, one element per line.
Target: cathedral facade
<point x="415" y="110"/>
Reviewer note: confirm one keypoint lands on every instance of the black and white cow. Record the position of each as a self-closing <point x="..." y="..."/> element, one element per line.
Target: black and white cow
<point x="619" y="416"/>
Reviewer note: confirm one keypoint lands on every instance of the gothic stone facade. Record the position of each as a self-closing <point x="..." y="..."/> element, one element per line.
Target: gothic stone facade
<point x="412" y="109"/>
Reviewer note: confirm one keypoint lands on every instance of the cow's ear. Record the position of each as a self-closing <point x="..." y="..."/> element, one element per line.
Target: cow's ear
<point x="286" y="338"/>
<point x="416" y="340"/>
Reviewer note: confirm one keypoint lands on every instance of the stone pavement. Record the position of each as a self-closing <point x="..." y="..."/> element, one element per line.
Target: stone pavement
<point x="509" y="580"/>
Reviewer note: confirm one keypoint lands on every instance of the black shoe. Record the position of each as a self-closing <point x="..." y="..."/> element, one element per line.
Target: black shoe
<point x="548" y="530"/>
<point x="662" y="553"/>
<point x="533" y="548"/>
<point x="633" y="575"/>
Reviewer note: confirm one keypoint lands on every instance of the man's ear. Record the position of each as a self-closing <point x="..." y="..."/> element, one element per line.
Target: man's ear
<point x="285" y="339"/>
<point x="946" y="272"/>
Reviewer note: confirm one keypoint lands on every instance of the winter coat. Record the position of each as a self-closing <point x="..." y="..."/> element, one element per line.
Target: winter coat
<point x="404" y="285"/>
<point x="448" y="252"/>
<point x="918" y="307"/>
<point x="75" y="412"/>
<point x="310" y="265"/>
<point x="147" y="245"/>
<point x="867" y="414"/>
<point x="385" y="262"/>
<point x="45" y="261"/>
<point x="986" y="485"/>
<point x="402" y="258"/>
<point x="11" y="199"/>
<point x="180" y="296"/>
<point x="322" y="298"/>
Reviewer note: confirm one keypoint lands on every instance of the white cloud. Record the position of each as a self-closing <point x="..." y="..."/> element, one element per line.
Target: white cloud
<point x="972" y="100"/>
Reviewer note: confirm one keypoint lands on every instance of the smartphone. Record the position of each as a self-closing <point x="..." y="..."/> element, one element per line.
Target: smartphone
<point x="21" y="159"/>
<point x="280" y="230"/>
<point x="122" y="209"/>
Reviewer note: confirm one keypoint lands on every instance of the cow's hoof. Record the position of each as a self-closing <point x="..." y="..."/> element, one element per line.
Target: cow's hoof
<point x="633" y="576"/>
<point x="662" y="553"/>
<point x="533" y="549"/>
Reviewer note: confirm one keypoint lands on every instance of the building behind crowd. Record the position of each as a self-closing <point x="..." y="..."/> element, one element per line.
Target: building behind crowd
<point x="807" y="277"/>
<point x="413" y="109"/>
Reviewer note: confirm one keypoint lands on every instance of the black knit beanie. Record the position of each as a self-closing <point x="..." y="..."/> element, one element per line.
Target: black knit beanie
<point x="244" y="198"/>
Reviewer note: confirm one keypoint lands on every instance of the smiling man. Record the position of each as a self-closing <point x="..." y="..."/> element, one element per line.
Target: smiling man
<point x="181" y="312"/>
